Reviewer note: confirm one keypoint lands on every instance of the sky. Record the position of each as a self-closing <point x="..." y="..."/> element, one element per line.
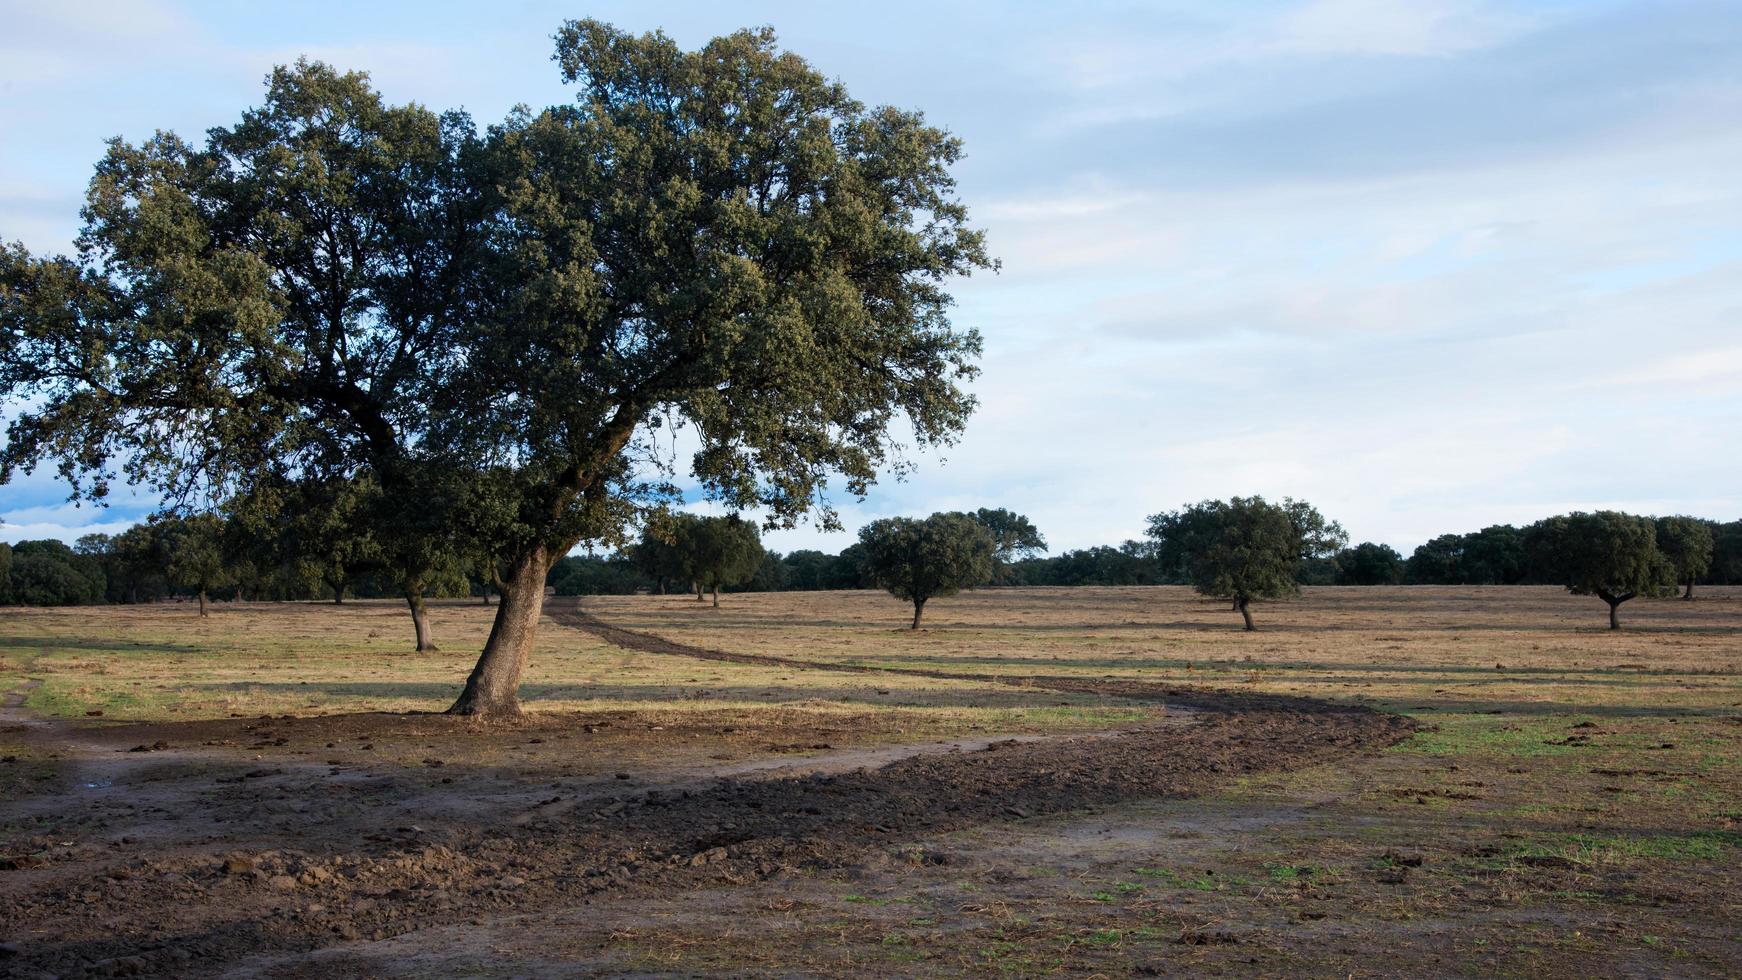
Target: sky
<point x="1428" y="264"/>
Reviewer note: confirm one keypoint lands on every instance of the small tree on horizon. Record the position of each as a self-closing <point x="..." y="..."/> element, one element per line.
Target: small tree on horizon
<point x="1608" y="554"/>
<point x="920" y="559"/>
<point x="720" y="552"/>
<point x="1014" y="539"/>
<point x="1244" y="548"/>
<point x="1686" y="543"/>
<point x="196" y="555"/>
<point x="1369" y="563"/>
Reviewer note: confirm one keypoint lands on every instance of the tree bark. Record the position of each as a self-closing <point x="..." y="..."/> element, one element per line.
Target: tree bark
<point x="493" y="689"/>
<point x="716" y="595"/>
<point x="1688" y="596"/>
<point x="1245" y="606"/>
<point x="918" y="611"/>
<point x="699" y="596"/>
<point x="339" y="594"/>
<point x="202" y="603"/>
<point x="420" y="621"/>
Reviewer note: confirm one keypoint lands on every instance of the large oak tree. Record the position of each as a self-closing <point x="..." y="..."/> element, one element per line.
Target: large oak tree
<point x="721" y="238"/>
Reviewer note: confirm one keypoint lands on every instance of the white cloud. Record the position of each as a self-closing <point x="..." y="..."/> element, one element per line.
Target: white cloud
<point x="1411" y="28"/>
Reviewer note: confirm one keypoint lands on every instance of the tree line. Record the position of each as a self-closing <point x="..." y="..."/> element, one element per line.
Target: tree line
<point x="1242" y="549"/>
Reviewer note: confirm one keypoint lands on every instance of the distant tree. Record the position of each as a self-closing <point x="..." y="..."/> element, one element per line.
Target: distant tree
<point x="326" y="526"/>
<point x="770" y="574"/>
<point x="139" y="563"/>
<point x="5" y="574"/>
<point x="1608" y="554"/>
<point x="417" y="552"/>
<point x="1369" y="563"/>
<point x="1726" y="554"/>
<point x="1686" y="543"/>
<point x="196" y="555"/>
<point x="919" y="560"/>
<point x="850" y="569"/>
<point x="1014" y="538"/>
<point x="1492" y="556"/>
<point x="100" y="549"/>
<point x="1131" y="563"/>
<point x="613" y="574"/>
<point x="1244" y="548"/>
<point x="720" y="552"/>
<point x="1317" y="535"/>
<point x="1321" y="571"/>
<point x="48" y="573"/>
<point x="660" y="555"/>
<point x="806" y="569"/>
<point x="1436" y="562"/>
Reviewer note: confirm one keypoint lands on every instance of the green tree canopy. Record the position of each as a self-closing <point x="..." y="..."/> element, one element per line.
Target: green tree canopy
<point x="719" y="552"/>
<point x="1493" y="556"/>
<point x="1244" y="548"/>
<point x="1369" y="563"/>
<point x="1686" y="543"/>
<point x="919" y="560"/>
<point x="806" y="569"/>
<point x="659" y="554"/>
<point x="1014" y="538"/>
<point x="197" y="560"/>
<point x="48" y="573"/>
<point x="1726" y="554"/>
<point x="720" y="238"/>
<point x="1608" y="554"/>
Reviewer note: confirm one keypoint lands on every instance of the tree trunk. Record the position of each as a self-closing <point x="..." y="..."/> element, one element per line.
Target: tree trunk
<point x="699" y="596"/>
<point x="918" y="611"/>
<point x="1245" y="606"/>
<point x="202" y="603"/>
<point x="420" y="621"/>
<point x="493" y="689"/>
<point x="339" y="594"/>
<point x="1614" y="602"/>
<point x="716" y="595"/>
<point x="1688" y="596"/>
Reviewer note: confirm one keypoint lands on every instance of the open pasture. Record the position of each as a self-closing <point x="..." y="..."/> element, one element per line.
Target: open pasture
<point x="1108" y="781"/>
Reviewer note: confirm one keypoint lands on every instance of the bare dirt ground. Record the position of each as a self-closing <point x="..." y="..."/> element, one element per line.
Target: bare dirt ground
<point x="1080" y="781"/>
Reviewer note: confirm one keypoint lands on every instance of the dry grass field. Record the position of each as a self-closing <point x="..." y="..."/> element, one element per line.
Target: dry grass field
<point x="1083" y="781"/>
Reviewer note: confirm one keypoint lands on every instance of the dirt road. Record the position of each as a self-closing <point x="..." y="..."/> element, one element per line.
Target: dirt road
<point x="203" y="847"/>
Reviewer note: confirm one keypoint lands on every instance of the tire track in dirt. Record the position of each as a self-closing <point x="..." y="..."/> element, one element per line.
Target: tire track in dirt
<point x="200" y="915"/>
